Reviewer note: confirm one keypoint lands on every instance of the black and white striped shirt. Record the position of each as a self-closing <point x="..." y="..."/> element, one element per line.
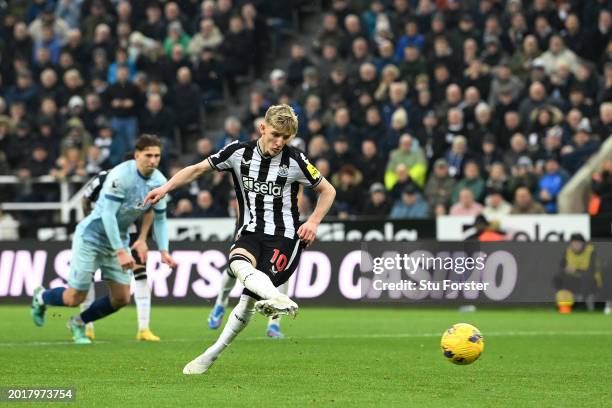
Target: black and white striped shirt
<point x="267" y="187"/>
<point x="93" y="187"/>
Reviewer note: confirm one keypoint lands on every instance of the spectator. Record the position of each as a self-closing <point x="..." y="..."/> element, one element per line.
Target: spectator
<point x="209" y="37"/>
<point x="550" y="184"/>
<point x="524" y="203"/>
<point x="369" y="163"/>
<point x="184" y="209"/>
<point x="348" y="191"/>
<point x="498" y="179"/>
<point x="495" y="205"/>
<point x="457" y="155"/>
<point x="233" y="132"/>
<point x="410" y="155"/>
<point x="471" y="181"/>
<point x="298" y="62"/>
<point x="158" y="120"/>
<point x="123" y="102"/>
<point x="466" y="205"/>
<point x="439" y="187"/>
<point x="176" y="36"/>
<point x="237" y="50"/>
<point x="69" y="164"/>
<point x="522" y="176"/>
<point x="377" y="204"/>
<point x="185" y="99"/>
<point x="518" y="150"/>
<point x="341" y="154"/>
<point x="575" y="154"/>
<point x="209" y="76"/>
<point x="206" y="207"/>
<point x="557" y="54"/>
<point x="410" y="206"/>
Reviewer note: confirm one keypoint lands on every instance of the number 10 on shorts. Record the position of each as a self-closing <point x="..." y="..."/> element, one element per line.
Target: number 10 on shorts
<point x="278" y="261"/>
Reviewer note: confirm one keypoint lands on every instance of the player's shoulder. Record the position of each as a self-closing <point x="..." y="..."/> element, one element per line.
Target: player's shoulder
<point x="297" y="154"/>
<point x="237" y="145"/>
<point x="158" y="177"/>
<point x="124" y="168"/>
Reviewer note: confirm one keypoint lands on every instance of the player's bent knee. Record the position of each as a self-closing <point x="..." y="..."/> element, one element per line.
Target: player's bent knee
<point x="237" y="265"/>
<point x="243" y="252"/>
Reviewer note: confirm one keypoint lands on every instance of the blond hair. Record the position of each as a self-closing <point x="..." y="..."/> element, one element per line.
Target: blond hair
<point x="282" y="118"/>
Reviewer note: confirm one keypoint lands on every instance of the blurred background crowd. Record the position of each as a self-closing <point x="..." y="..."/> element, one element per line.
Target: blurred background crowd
<point x="411" y="108"/>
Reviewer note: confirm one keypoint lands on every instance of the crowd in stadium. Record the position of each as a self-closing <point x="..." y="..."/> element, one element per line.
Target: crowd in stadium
<point x="410" y="108"/>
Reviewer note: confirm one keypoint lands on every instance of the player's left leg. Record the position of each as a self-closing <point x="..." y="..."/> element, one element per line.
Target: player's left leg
<point x="273" y="330"/>
<point x="215" y="318"/>
<point x="238" y="320"/>
<point x="142" y="298"/>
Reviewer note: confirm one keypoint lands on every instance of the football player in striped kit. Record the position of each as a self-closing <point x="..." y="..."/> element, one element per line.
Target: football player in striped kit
<point x="267" y="175"/>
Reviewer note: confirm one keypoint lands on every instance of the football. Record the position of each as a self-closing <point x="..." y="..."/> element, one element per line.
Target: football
<point x="462" y="344"/>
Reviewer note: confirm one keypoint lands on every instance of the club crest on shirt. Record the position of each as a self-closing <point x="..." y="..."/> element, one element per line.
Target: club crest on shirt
<point x="283" y="170"/>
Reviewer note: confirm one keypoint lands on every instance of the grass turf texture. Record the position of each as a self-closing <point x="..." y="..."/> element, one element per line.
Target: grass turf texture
<point x="332" y="357"/>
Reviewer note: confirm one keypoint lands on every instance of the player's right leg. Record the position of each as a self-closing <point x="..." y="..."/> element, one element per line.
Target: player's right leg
<point x="215" y="318"/>
<point x="142" y="298"/>
<point x="238" y="320"/>
<point x="242" y="264"/>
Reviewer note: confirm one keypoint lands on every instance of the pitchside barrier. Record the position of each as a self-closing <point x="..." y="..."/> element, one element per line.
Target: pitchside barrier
<point x="445" y="228"/>
<point x="335" y="273"/>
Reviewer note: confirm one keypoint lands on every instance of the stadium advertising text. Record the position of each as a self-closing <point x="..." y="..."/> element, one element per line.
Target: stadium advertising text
<point x="333" y="273"/>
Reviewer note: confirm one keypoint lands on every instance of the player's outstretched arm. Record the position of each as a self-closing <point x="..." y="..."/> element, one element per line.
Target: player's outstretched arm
<point x="308" y="231"/>
<point x="184" y="176"/>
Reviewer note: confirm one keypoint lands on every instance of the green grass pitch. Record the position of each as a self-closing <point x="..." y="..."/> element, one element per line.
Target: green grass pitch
<point x="332" y="357"/>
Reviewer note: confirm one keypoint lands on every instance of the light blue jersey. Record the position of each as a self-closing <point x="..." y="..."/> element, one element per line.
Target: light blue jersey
<point x="105" y="230"/>
<point x="121" y="198"/>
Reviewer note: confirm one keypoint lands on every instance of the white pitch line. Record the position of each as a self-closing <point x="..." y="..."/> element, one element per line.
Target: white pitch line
<point x="334" y="337"/>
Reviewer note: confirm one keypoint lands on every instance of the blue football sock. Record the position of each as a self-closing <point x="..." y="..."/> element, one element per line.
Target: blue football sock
<point x="99" y="308"/>
<point x="53" y="297"/>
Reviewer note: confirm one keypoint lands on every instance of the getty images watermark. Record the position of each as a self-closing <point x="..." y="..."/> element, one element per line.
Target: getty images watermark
<point x="436" y="271"/>
<point x="479" y="272"/>
<point x="413" y="263"/>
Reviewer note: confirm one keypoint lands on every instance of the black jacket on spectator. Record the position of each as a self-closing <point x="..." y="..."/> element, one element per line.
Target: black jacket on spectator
<point x="209" y="75"/>
<point x="237" y="50"/>
<point x="382" y="210"/>
<point x="161" y="123"/>
<point x="372" y="170"/>
<point x="126" y="90"/>
<point x="186" y="100"/>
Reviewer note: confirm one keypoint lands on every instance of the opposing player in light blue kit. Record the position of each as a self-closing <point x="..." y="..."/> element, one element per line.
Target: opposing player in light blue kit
<point x="101" y="241"/>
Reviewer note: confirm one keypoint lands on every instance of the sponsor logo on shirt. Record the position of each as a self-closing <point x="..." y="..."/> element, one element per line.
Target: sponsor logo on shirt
<point x="262" y="187"/>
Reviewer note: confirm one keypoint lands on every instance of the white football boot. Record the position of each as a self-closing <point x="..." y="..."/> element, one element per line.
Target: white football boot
<point x="280" y="305"/>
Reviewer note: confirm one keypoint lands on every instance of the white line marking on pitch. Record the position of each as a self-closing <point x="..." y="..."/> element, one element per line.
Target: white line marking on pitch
<point x="333" y="337"/>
